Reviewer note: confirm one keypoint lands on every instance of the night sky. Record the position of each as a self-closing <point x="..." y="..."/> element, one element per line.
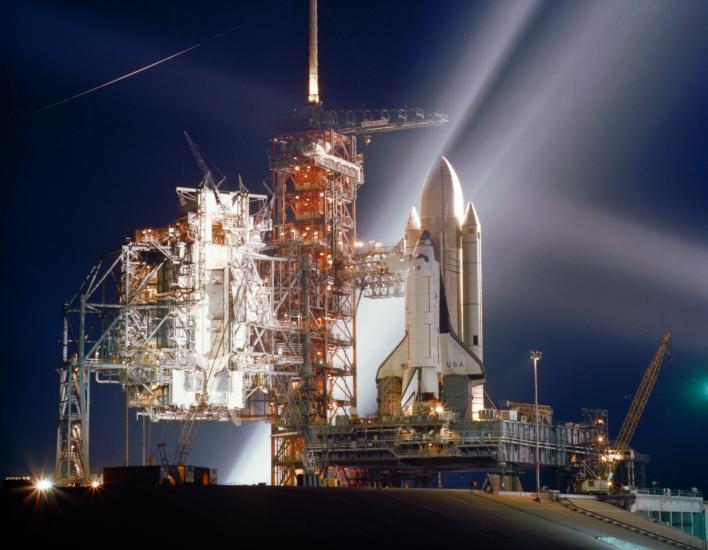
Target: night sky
<point x="579" y="129"/>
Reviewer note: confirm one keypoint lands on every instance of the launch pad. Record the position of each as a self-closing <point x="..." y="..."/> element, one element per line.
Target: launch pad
<point x="244" y="309"/>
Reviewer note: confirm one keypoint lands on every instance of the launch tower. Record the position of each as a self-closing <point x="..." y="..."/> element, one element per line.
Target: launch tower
<point x="242" y="309"/>
<point x="317" y="170"/>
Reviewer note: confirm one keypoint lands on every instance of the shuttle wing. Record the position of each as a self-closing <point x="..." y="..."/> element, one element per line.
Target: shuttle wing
<point x="396" y="360"/>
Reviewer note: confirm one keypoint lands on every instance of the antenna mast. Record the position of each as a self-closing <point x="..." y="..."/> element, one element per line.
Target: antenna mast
<point x="314" y="96"/>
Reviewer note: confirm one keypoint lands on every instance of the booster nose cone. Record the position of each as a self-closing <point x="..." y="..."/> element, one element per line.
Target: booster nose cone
<point x="471" y="219"/>
<point x="411" y="232"/>
<point x="413" y="223"/>
<point x="442" y="194"/>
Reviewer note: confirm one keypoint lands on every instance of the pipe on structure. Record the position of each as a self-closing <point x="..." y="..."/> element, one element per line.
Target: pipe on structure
<point x="84" y="405"/>
<point x="314" y="90"/>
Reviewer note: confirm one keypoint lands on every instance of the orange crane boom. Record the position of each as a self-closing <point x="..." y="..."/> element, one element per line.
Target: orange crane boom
<point x="639" y="403"/>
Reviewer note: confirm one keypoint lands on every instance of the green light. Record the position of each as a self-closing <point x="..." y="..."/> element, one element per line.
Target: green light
<point x="694" y="388"/>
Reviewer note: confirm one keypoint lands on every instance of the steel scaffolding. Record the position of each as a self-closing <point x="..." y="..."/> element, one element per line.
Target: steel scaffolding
<point x="181" y="317"/>
<point x="316" y="175"/>
<point x="245" y="307"/>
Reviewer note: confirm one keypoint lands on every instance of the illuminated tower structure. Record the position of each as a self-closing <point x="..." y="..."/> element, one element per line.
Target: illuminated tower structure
<point x="316" y="176"/>
<point x="243" y="308"/>
<point x="316" y="173"/>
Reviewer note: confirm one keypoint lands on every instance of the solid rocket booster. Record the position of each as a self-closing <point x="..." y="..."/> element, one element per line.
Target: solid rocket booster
<point x="440" y="355"/>
<point x="472" y="281"/>
<point x="411" y="234"/>
<point x="472" y="294"/>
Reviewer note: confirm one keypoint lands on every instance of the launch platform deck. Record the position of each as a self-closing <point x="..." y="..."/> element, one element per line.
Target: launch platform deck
<point x="438" y="444"/>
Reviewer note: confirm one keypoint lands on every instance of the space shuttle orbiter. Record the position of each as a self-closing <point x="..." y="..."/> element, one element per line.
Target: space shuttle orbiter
<point x="439" y="360"/>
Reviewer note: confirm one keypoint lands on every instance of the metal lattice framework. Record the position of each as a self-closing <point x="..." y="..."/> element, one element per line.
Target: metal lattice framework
<point x="597" y="422"/>
<point x="246" y="307"/>
<point x="376" y="272"/>
<point x="315" y="175"/>
<point x="181" y="317"/>
<point x="325" y="273"/>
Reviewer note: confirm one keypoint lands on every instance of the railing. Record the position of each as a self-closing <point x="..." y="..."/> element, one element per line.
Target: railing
<point x="671" y="492"/>
<point x="410" y="438"/>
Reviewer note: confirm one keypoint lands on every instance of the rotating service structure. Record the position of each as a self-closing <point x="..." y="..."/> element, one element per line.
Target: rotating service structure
<point x="182" y="317"/>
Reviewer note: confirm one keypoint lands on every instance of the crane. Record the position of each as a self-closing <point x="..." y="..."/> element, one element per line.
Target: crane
<point x="208" y="180"/>
<point x="592" y="482"/>
<point x="639" y="403"/>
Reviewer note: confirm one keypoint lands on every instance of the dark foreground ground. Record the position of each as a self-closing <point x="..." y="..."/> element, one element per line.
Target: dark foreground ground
<point x="267" y="517"/>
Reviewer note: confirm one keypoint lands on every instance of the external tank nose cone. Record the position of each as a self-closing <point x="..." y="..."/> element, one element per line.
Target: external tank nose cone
<point x="442" y="194"/>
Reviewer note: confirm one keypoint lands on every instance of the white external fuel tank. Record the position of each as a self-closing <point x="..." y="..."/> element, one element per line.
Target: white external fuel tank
<point x="441" y="211"/>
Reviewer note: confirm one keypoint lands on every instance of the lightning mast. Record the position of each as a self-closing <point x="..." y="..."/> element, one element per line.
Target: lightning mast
<point x="313" y="82"/>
